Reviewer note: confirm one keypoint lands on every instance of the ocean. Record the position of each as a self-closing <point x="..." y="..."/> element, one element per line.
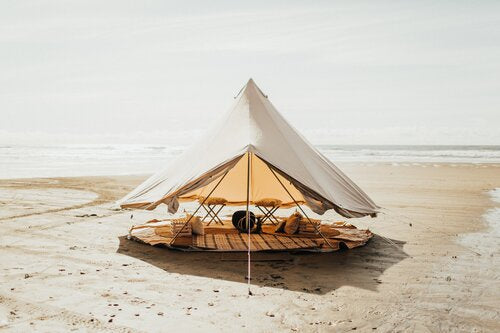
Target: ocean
<point x="122" y="159"/>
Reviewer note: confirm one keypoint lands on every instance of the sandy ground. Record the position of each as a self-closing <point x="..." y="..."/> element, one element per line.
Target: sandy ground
<point x="65" y="263"/>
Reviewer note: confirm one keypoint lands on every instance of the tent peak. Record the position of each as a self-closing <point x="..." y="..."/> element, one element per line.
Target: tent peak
<point x="250" y="149"/>
<point x="251" y="84"/>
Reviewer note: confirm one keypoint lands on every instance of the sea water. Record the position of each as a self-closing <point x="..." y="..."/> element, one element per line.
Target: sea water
<point x="486" y="242"/>
<point x="122" y="159"/>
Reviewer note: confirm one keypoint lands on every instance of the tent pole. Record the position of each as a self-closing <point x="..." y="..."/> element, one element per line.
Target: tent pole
<point x="201" y="204"/>
<point x="247" y="217"/>
<point x="297" y="204"/>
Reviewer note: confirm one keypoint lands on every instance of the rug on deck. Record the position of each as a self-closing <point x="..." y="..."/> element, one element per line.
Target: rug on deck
<point x="339" y="235"/>
<point x="258" y="242"/>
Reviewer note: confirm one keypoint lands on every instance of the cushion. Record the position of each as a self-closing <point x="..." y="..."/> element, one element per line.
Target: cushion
<point x="196" y="225"/>
<point x="268" y="202"/>
<point x="306" y="227"/>
<point x="281" y="226"/>
<point x="213" y="201"/>
<point x="292" y="223"/>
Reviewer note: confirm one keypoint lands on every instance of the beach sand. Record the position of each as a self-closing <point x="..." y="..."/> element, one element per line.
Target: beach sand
<point x="66" y="264"/>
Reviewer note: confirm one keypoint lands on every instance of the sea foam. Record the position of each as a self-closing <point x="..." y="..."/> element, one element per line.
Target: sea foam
<point x="119" y="159"/>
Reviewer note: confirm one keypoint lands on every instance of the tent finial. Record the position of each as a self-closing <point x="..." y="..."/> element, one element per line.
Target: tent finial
<point x="256" y="86"/>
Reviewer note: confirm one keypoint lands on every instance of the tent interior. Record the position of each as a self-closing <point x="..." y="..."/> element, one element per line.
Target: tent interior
<point x="264" y="182"/>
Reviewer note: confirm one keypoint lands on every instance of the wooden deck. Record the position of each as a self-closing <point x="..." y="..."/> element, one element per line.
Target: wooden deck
<point x="227" y="239"/>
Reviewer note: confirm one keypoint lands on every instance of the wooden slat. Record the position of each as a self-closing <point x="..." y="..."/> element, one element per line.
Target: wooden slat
<point x="274" y="242"/>
<point x="236" y="242"/>
<point x="299" y="242"/>
<point x="199" y="241"/>
<point x="287" y="242"/>
<point x="254" y="246"/>
<point x="310" y="242"/>
<point x="221" y="242"/>
<point x="261" y="242"/>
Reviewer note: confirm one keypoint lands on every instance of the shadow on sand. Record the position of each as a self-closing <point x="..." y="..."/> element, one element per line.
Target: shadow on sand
<point x="319" y="273"/>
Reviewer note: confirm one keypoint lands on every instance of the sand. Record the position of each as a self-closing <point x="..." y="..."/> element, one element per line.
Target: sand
<point x="66" y="265"/>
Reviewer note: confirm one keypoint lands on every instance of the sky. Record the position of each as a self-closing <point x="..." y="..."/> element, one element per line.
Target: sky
<point x="342" y="72"/>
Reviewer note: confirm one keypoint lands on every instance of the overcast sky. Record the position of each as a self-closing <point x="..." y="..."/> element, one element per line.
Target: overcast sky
<point x="402" y="72"/>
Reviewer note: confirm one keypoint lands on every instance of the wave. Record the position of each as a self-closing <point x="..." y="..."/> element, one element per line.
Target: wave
<point x="114" y="159"/>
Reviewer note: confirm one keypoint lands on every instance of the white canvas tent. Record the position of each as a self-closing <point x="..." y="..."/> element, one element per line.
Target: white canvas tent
<point x="253" y="141"/>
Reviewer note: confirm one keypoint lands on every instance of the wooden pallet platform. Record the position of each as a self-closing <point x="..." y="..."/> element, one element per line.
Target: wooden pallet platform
<point x="227" y="239"/>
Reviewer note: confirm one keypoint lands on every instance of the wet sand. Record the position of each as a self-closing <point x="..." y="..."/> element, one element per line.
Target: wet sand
<point x="433" y="265"/>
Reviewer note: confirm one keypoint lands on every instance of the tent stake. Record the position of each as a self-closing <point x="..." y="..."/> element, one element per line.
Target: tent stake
<point x="297" y="204"/>
<point x="205" y="199"/>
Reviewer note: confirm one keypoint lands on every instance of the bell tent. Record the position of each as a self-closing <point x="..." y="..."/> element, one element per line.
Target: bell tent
<point x="253" y="153"/>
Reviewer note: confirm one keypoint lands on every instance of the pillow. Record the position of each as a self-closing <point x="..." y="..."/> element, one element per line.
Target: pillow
<point x="268" y="202"/>
<point x="292" y="223"/>
<point x="213" y="201"/>
<point x="281" y="226"/>
<point x="196" y="225"/>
